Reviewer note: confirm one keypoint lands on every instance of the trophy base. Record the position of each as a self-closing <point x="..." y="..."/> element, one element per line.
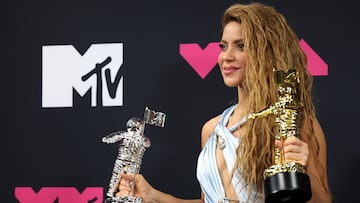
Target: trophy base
<point x="290" y="187"/>
<point x="128" y="199"/>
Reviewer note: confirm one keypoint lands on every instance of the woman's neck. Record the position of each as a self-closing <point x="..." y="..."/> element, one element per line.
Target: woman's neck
<point x="242" y="97"/>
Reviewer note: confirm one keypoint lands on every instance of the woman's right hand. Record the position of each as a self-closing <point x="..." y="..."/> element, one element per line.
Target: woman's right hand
<point x="141" y="187"/>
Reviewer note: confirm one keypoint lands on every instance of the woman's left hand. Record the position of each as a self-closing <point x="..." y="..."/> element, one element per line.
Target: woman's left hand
<point x="295" y="150"/>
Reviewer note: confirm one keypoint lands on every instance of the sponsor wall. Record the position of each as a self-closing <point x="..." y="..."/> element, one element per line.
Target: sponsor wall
<point x="76" y="71"/>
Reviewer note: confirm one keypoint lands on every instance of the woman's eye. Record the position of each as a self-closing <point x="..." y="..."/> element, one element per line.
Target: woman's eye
<point x="241" y="46"/>
<point x="222" y="46"/>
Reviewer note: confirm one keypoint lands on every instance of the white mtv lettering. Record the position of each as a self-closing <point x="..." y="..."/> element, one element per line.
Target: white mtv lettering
<point x="98" y="71"/>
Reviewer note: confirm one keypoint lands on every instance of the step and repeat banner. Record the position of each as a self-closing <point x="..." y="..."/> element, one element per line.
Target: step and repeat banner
<point x="76" y="71"/>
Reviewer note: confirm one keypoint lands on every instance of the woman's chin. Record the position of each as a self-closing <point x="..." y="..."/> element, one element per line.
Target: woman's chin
<point x="231" y="84"/>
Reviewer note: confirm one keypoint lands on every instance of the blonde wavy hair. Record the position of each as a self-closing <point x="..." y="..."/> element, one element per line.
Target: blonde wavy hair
<point x="269" y="43"/>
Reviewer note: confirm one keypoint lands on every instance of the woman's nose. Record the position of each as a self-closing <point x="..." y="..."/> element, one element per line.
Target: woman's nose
<point x="228" y="54"/>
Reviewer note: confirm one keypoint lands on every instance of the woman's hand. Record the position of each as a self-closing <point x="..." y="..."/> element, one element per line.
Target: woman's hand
<point x="141" y="188"/>
<point x="294" y="150"/>
<point x="144" y="190"/>
<point x="125" y="185"/>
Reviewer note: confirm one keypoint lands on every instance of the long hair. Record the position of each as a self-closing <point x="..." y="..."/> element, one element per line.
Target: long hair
<point x="269" y="43"/>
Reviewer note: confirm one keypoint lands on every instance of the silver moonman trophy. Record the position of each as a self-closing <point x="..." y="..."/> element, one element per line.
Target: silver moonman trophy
<point x="132" y="145"/>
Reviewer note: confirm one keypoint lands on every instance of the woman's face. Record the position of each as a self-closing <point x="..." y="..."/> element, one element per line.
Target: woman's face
<point x="232" y="59"/>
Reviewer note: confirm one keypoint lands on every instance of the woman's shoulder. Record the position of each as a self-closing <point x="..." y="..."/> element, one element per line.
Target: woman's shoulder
<point x="210" y="125"/>
<point x="208" y="128"/>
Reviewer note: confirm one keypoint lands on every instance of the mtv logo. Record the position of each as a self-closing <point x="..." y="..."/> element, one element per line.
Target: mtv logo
<point x="64" y="69"/>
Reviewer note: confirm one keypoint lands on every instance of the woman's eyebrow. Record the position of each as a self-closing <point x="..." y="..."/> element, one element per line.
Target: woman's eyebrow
<point x="235" y="41"/>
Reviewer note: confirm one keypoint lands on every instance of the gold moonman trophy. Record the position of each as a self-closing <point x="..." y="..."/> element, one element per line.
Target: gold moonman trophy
<point x="285" y="182"/>
<point x="133" y="144"/>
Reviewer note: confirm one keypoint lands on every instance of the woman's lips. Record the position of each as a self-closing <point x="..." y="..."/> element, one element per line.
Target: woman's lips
<point x="229" y="70"/>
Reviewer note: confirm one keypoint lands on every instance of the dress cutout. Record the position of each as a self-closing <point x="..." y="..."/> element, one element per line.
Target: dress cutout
<point x="207" y="170"/>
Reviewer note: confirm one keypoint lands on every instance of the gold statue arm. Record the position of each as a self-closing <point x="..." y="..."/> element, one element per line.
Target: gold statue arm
<point x="264" y="113"/>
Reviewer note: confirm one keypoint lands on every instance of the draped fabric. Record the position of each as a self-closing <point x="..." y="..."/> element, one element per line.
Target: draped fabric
<point x="207" y="169"/>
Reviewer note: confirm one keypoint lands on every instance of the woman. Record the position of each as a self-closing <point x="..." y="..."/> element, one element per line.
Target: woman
<point x="255" y="40"/>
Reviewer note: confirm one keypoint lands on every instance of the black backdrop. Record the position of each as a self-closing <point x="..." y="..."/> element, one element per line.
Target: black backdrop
<point x="60" y="147"/>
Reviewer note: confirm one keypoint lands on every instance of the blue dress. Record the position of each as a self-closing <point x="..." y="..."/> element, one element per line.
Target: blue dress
<point x="207" y="170"/>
